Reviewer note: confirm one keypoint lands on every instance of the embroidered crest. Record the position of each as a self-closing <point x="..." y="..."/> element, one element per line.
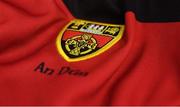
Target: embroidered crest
<point x="81" y="39"/>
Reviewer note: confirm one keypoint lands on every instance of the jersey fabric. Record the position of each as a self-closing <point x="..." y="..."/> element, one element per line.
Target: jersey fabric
<point x="143" y="68"/>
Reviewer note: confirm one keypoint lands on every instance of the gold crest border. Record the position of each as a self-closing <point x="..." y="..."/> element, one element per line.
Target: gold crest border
<point x="98" y="52"/>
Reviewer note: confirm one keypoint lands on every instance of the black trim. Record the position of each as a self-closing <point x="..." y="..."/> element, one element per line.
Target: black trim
<point x="113" y="11"/>
<point x="97" y="10"/>
<point x="155" y="10"/>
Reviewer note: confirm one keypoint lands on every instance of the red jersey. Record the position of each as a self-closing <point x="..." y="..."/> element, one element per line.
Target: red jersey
<point x="141" y="66"/>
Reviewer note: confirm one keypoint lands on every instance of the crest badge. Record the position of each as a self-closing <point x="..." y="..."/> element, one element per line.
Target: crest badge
<point x="81" y="39"/>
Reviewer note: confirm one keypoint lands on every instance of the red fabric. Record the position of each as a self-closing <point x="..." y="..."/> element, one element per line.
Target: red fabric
<point x="141" y="69"/>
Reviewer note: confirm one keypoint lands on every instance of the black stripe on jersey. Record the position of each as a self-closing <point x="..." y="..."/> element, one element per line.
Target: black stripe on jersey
<point x="113" y="11"/>
<point x="155" y="10"/>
